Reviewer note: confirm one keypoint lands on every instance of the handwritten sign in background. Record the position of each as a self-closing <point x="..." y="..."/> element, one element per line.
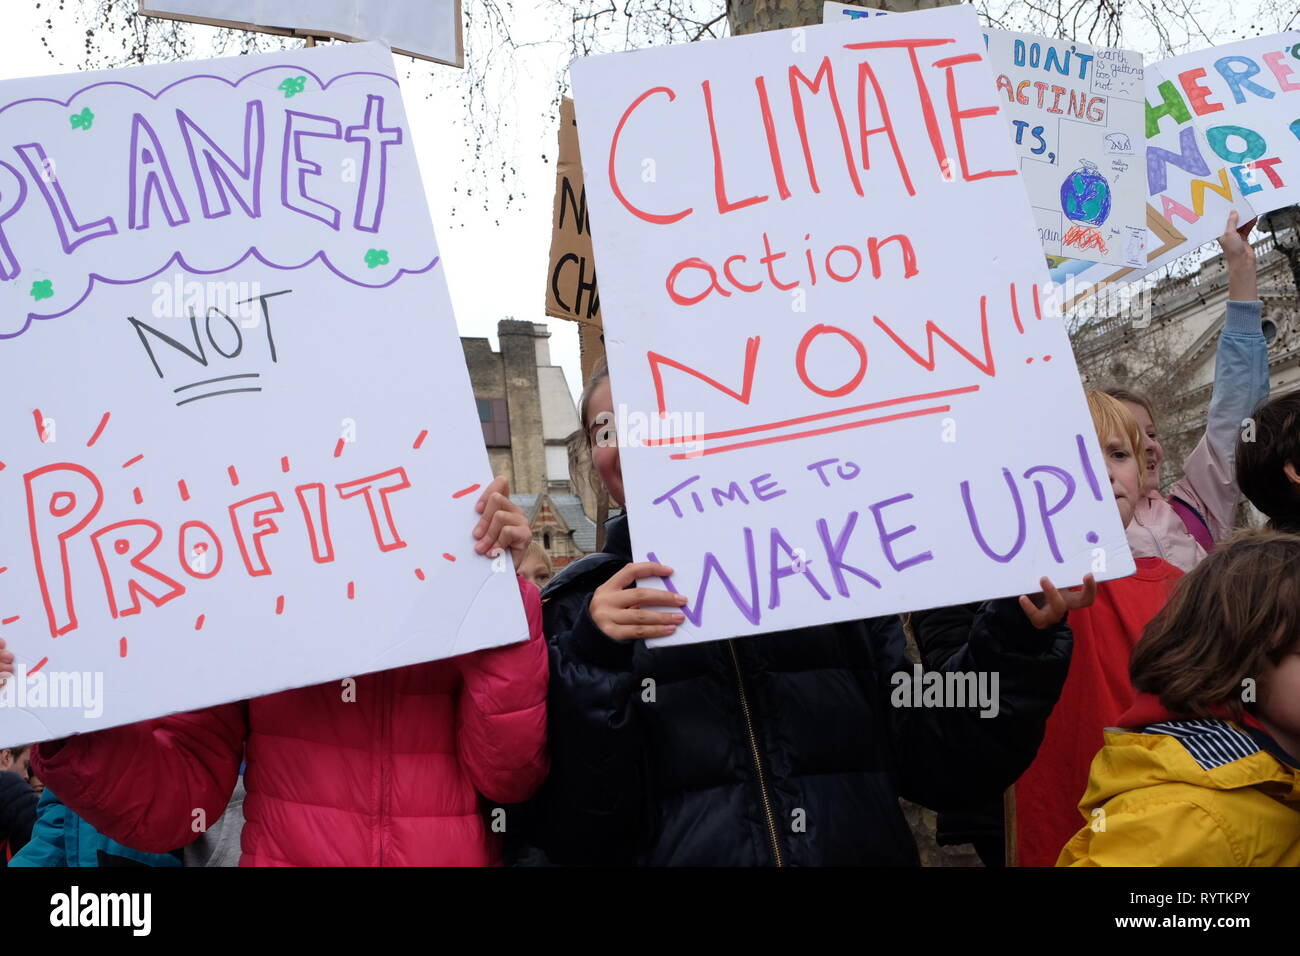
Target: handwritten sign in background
<point x="1222" y="132"/>
<point x="1076" y="118"/>
<point x="240" y="450"/>
<point x="571" y="289"/>
<point x="1074" y="112"/>
<point x="865" y="407"/>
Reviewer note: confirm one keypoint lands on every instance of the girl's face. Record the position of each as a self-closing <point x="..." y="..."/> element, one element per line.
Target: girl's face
<point x="1279" y="698"/>
<point x="604" y="441"/>
<point x="1125" y="475"/>
<point x="1152" y="451"/>
<point x="536" y="570"/>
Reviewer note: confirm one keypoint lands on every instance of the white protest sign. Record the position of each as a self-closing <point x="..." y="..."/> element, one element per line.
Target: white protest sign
<point x="836" y="393"/>
<point x="1075" y="115"/>
<point x="1222" y="132"/>
<point x="240" y="451"/>
<point x="429" y="29"/>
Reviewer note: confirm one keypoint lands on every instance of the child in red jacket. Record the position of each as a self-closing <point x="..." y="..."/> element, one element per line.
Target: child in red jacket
<point x="1097" y="689"/>
<point x="385" y="769"/>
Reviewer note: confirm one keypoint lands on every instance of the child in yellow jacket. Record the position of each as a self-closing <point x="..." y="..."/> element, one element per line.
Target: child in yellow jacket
<point x="1208" y="771"/>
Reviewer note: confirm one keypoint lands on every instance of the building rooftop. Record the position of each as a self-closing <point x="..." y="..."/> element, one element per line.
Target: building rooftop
<point x="569" y="508"/>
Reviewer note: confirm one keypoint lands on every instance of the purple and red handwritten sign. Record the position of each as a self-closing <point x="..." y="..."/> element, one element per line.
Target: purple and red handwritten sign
<point x="238" y="450"/>
<point x="838" y="391"/>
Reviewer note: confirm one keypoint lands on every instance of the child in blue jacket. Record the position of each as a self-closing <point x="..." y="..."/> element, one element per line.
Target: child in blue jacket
<point x="61" y="838"/>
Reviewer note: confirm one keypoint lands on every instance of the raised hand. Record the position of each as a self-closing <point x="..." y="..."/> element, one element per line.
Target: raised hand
<point x="504" y="526"/>
<point x="1049" y="607"/>
<point x="1240" y="256"/>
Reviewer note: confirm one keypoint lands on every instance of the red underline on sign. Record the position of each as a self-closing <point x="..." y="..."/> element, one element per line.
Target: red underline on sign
<point x="708" y="436"/>
<point x="43" y="661"/>
<point x="815" y="431"/>
<point x="465" y="491"/>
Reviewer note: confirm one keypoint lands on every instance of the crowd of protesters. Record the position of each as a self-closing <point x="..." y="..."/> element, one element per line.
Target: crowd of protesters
<point x="1147" y="720"/>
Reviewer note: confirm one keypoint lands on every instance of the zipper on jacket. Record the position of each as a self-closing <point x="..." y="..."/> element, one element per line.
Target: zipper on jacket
<point x="758" y="761"/>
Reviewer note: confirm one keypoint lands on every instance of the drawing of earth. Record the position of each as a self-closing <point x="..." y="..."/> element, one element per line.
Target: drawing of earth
<point x="1085" y="195"/>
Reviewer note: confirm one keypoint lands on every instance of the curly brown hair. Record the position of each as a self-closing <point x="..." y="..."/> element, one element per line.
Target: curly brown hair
<point x="1228" y="620"/>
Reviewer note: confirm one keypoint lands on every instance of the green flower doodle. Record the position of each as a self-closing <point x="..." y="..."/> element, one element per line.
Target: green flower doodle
<point x="83" y="119"/>
<point x="293" y="86"/>
<point x="376" y="257"/>
<point x="42" y="289"/>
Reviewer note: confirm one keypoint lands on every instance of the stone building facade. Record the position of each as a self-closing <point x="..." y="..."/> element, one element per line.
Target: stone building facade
<point x="529" y="419"/>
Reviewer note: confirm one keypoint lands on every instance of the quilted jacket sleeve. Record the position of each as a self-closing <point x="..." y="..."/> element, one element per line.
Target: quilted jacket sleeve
<point x="952" y="758"/>
<point x="591" y="810"/>
<point x="145" y="784"/>
<point x="502" y="739"/>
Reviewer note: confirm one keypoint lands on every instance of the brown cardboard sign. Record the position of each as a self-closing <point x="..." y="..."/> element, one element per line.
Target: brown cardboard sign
<point x="571" y="291"/>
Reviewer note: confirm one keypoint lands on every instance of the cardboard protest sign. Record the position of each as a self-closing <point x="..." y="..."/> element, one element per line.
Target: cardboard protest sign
<point x="427" y="29"/>
<point x="1222" y="132"/>
<point x="837" y="394"/>
<point x="240" y="450"/>
<point x="1075" y="114"/>
<point x="571" y="291"/>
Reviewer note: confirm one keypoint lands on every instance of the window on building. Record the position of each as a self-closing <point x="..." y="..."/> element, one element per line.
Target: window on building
<point x="546" y="540"/>
<point x="496" y="422"/>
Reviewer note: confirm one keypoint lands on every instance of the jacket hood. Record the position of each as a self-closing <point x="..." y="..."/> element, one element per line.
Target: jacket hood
<point x="1213" y="753"/>
<point x="1147" y="709"/>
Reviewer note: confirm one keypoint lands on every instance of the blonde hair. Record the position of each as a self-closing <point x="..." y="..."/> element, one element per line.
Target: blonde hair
<point x="535" y="550"/>
<point x="1110" y="417"/>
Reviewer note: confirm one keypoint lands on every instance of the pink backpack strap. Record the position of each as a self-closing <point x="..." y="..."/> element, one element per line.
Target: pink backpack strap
<point x="1193" y="522"/>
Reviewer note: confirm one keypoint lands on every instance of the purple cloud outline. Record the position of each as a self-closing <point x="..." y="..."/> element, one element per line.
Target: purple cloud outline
<point x="178" y="257"/>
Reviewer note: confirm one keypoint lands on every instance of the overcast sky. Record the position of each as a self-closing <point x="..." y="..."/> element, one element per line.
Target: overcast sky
<point x="495" y="261"/>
